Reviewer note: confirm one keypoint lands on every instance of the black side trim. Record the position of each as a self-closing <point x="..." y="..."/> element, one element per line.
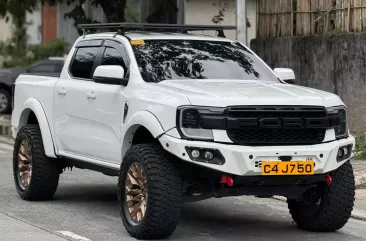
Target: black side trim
<point x="91" y="166"/>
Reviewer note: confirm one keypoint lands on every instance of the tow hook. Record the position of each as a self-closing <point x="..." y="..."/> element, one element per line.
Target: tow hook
<point x="328" y="179"/>
<point x="228" y="180"/>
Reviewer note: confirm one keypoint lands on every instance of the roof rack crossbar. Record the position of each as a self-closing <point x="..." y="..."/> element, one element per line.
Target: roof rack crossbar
<point x="123" y="27"/>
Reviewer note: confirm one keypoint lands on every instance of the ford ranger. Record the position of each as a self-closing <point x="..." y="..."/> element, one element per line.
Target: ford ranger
<point x="181" y="117"/>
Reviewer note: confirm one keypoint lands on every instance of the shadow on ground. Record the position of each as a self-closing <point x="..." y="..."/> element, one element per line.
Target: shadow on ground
<point x="221" y="219"/>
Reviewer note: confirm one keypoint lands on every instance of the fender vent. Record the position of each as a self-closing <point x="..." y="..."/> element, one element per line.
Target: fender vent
<point x="125" y="112"/>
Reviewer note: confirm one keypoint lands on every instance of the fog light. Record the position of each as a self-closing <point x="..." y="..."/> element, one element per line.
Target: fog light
<point x="344" y="152"/>
<point x="340" y="152"/>
<point x="208" y="155"/>
<point x="205" y="155"/>
<point x="195" y="154"/>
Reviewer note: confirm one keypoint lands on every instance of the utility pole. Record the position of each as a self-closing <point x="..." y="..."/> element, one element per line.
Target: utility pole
<point x="241" y="22"/>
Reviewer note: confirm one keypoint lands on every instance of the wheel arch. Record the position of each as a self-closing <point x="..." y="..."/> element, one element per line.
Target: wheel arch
<point x="139" y="124"/>
<point x="33" y="113"/>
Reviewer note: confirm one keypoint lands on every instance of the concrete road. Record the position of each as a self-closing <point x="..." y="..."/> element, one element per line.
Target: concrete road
<point x="85" y="208"/>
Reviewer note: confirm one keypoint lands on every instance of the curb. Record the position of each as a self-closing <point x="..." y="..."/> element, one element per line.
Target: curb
<point x="6" y="140"/>
<point x="356" y="214"/>
<point x="360" y="179"/>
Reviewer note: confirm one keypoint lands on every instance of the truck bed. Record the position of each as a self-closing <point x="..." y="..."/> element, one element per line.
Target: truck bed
<point x="38" y="87"/>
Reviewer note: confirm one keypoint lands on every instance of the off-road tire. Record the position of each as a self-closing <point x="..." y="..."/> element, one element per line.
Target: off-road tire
<point x="45" y="172"/>
<point x="164" y="189"/>
<point x="336" y="205"/>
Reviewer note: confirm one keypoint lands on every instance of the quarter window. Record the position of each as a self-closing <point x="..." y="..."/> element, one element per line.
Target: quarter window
<point x="83" y="62"/>
<point x="46" y="68"/>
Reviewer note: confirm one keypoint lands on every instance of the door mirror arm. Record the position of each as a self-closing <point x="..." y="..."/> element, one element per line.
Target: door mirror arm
<point x="111" y="81"/>
<point x="110" y="74"/>
<point x="289" y="81"/>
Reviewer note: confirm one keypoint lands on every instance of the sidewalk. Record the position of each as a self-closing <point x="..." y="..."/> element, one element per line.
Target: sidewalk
<point x="5" y="126"/>
<point x="359" y="211"/>
<point x="359" y="168"/>
<point x="361" y="199"/>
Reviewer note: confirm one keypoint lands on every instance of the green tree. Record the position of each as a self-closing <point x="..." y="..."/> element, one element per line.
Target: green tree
<point x="17" y="9"/>
<point x="113" y="9"/>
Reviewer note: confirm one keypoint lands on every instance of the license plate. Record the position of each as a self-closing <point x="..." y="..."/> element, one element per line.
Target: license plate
<point x="273" y="168"/>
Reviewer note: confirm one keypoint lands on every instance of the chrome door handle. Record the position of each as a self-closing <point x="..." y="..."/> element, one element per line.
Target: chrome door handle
<point x="91" y="95"/>
<point x="61" y="91"/>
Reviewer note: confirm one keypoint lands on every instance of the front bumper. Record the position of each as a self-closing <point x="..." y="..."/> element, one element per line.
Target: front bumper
<point x="243" y="160"/>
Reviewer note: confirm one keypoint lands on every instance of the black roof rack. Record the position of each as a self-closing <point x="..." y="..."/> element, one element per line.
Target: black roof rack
<point x="123" y="27"/>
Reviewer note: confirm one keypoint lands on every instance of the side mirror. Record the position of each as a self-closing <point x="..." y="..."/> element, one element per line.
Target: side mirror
<point x="286" y="75"/>
<point x="110" y="74"/>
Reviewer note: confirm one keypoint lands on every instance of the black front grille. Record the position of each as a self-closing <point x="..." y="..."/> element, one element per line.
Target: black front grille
<point x="250" y="135"/>
<point x="276" y="136"/>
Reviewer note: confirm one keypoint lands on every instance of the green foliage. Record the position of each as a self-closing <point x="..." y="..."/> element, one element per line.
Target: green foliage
<point x="131" y="12"/>
<point x="15" y="57"/>
<point x="79" y="16"/>
<point x="361" y="146"/>
<point x="337" y="30"/>
<point x="220" y="16"/>
<point x="114" y="10"/>
<point x="17" y="8"/>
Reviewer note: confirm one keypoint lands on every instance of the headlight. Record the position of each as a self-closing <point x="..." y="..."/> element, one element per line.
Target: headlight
<point x="188" y="122"/>
<point x="342" y="129"/>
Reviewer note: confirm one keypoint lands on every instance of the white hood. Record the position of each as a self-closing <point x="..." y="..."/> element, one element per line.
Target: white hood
<point x="222" y="93"/>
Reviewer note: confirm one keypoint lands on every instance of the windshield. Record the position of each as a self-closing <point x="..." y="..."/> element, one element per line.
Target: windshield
<point x="161" y="60"/>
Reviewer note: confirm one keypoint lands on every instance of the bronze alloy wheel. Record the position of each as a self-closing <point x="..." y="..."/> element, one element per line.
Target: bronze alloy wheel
<point x="35" y="175"/>
<point x="24" y="164"/>
<point x="149" y="192"/>
<point x="136" y="192"/>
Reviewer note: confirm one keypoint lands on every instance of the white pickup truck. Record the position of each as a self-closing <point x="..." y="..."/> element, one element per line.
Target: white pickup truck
<point x="183" y="117"/>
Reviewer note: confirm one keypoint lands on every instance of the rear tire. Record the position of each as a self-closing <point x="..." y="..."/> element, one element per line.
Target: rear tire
<point x="44" y="172"/>
<point x="164" y="196"/>
<point x="334" y="208"/>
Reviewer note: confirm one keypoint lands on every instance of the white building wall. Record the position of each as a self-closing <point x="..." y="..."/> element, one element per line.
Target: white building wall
<point x="5" y="29"/>
<point x="66" y="28"/>
<point x="252" y="16"/>
<point x="34" y="26"/>
<point x="202" y="11"/>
